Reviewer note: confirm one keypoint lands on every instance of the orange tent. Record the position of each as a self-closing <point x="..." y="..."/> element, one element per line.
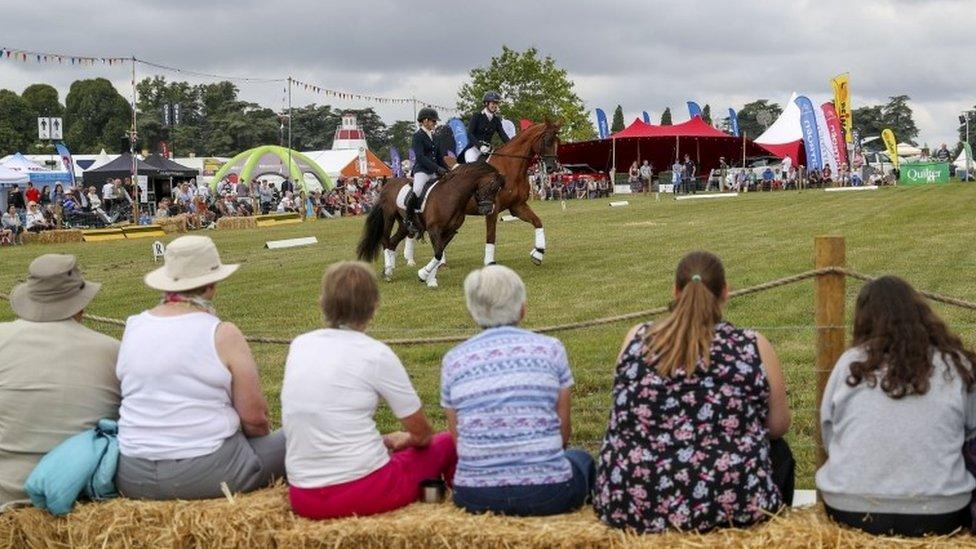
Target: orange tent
<point x="346" y="163"/>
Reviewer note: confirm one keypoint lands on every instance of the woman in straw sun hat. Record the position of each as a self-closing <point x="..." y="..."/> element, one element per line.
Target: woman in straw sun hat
<point x="193" y="415"/>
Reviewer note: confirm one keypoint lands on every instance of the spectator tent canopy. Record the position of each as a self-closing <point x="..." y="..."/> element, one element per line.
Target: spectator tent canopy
<point x="272" y="160"/>
<point x="784" y="137"/>
<point x="347" y="163"/>
<point x="119" y="168"/>
<point x="38" y="174"/>
<point x="168" y="168"/>
<point x="660" y="145"/>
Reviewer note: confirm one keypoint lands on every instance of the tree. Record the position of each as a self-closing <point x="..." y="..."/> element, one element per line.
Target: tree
<point x="96" y="116"/>
<point x="312" y="127"/>
<point x="532" y="87"/>
<point x="401" y="133"/>
<point x="867" y="122"/>
<point x="17" y="123"/>
<point x="666" y="117"/>
<point x="707" y="114"/>
<point x="899" y="117"/>
<point x="43" y="100"/>
<point x="749" y="117"/>
<point x="618" y="120"/>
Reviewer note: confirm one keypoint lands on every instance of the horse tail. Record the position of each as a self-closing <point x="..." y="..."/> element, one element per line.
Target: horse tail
<point x="369" y="244"/>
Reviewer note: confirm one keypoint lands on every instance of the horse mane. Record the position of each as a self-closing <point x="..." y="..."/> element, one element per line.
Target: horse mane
<point x="527" y="136"/>
<point x="476" y="170"/>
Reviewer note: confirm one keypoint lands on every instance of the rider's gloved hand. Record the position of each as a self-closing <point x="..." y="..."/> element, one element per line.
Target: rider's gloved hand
<point x="484" y="149"/>
<point x="441" y="171"/>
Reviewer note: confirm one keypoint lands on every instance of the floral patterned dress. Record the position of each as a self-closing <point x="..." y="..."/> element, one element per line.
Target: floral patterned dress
<point x="688" y="452"/>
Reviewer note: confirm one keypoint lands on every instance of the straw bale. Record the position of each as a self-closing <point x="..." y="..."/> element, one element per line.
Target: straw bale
<point x="58" y="236"/>
<point x="237" y="223"/>
<point x="263" y="519"/>
<point x="172" y="224"/>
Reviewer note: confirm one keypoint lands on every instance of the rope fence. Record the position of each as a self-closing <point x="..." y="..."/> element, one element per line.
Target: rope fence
<point x="433" y="340"/>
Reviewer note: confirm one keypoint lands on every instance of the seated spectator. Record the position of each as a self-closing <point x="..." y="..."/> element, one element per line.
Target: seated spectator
<point x="163" y="208"/>
<point x="827" y="178"/>
<point x="338" y="463"/>
<point x="36" y="222"/>
<point x="905" y="370"/>
<point x="506" y="395"/>
<point x="57" y="377"/>
<point x="11" y="223"/>
<point x="227" y="206"/>
<point x="57" y="195"/>
<point x="193" y="415"/>
<point x="95" y="205"/>
<point x="767" y="178"/>
<point x="288" y="203"/>
<point x="699" y="412"/>
<point x="184" y="198"/>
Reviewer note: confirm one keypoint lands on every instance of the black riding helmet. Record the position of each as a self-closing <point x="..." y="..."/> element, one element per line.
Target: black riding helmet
<point x="426" y="113"/>
<point x="491" y="97"/>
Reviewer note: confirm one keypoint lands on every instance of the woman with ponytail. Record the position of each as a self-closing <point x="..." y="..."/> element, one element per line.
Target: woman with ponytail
<point x="699" y="412"/>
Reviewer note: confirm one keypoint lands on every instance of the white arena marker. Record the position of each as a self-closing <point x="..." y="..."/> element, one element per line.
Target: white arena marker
<point x="159" y="250"/>
<point x="701" y="196"/>
<point x="619" y="204"/>
<point x="507" y="217"/>
<point x="844" y="189"/>
<point x="290" y="243"/>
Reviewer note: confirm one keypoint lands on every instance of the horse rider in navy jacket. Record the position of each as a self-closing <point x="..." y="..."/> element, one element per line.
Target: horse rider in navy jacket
<point x="430" y="162"/>
<point x="483" y="126"/>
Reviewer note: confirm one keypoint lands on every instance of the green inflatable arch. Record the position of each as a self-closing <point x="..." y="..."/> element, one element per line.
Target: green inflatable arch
<point x="294" y="164"/>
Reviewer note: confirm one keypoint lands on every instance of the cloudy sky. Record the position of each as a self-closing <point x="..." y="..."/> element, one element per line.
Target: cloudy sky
<point x="642" y="54"/>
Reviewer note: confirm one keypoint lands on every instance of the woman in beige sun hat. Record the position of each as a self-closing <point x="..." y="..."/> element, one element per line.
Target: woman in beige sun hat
<point x="193" y="415"/>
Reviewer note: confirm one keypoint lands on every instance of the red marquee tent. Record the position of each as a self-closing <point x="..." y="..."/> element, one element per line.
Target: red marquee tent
<point x="660" y="145"/>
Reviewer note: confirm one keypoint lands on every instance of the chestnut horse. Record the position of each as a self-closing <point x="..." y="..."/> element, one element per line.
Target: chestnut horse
<point x="537" y="142"/>
<point x="443" y="215"/>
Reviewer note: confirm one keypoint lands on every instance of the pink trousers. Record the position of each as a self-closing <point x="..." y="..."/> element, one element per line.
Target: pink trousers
<point x="395" y="485"/>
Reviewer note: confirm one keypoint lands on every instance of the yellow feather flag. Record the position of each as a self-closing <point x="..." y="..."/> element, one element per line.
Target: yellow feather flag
<point x="842" y="101"/>
<point x="891" y="145"/>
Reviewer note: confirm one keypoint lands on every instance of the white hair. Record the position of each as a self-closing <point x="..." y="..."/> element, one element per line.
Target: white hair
<point x="495" y="296"/>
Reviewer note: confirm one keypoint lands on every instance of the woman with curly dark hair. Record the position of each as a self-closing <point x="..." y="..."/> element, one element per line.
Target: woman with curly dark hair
<point x="898" y="408"/>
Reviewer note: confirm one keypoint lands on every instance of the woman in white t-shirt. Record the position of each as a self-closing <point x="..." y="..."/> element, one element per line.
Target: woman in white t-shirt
<point x="338" y="463"/>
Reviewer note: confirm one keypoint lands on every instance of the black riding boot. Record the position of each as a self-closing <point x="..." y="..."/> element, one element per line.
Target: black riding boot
<point x="411" y="214"/>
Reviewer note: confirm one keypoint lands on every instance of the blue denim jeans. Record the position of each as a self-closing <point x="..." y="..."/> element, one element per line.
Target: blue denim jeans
<point x="537" y="499"/>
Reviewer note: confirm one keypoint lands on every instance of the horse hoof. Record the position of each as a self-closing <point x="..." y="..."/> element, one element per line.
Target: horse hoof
<point x="423" y="274"/>
<point x="491" y="263"/>
<point x="432" y="283"/>
<point x="536" y="257"/>
<point x="411" y="263"/>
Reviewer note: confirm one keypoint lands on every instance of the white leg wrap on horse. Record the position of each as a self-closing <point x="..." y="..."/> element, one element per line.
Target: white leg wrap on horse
<point x="540" y="238"/>
<point x="429" y="273"/>
<point x="489" y="254"/>
<point x="408" y="251"/>
<point x="472" y="155"/>
<point x="443" y="259"/>
<point x="389" y="259"/>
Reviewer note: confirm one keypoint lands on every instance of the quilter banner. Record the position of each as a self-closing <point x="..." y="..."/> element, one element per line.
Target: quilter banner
<point x="460" y="134"/>
<point x="396" y="163"/>
<point x="69" y="165"/>
<point x="891" y="145"/>
<point x="842" y="102"/>
<point x="836" y="132"/>
<point x="734" y="122"/>
<point x="694" y="110"/>
<point x="811" y="137"/>
<point x="601" y="124"/>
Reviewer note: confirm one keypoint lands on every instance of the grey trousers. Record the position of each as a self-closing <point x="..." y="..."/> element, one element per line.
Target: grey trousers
<point x="245" y="464"/>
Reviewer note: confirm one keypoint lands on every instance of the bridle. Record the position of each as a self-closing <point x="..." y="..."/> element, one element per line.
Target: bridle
<point x="544" y="157"/>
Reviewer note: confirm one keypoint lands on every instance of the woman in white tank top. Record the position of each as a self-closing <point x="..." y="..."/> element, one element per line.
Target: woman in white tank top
<point x="193" y="415"/>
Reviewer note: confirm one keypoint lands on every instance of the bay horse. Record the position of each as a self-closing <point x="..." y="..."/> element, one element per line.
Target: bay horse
<point x="539" y="141"/>
<point x="442" y="216"/>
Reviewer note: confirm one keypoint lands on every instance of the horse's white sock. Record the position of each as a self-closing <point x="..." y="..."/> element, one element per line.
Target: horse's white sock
<point x="540" y="238"/>
<point x="433" y="264"/>
<point x="389" y="259"/>
<point x="489" y="254"/>
<point x="408" y="249"/>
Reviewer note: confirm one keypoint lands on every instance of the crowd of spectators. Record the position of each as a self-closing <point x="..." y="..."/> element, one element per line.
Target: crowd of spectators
<point x="64" y="206"/>
<point x="564" y="184"/>
<point x="202" y="206"/>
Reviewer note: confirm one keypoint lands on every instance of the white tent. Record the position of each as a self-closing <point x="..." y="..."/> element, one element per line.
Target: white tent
<point x="786" y="128"/>
<point x="10" y="178"/>
<point x="907" y="150"/>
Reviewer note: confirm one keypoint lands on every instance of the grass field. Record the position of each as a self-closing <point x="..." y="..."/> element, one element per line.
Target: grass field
<point x="600" y="261"/>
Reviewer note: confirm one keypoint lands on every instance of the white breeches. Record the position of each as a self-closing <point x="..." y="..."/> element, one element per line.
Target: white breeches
<point x="472" y="155"/>
<point x="420" y="179"/>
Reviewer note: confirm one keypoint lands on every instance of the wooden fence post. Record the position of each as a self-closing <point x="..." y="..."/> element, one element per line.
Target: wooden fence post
<point x="828" y="299"/>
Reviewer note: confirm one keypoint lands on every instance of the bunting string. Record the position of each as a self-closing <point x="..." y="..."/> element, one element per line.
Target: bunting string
<point x="28" y="56"/>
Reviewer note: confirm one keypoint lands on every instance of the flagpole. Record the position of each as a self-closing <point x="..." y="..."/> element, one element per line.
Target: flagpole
<point x="132" y="153"/>
<point x="295" y="183"/>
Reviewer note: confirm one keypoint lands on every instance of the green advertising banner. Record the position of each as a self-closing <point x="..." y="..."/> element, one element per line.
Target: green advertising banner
<point x="920" y="173"/>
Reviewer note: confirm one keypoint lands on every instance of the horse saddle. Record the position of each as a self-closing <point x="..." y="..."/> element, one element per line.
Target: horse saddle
<point x="401" y="200"/>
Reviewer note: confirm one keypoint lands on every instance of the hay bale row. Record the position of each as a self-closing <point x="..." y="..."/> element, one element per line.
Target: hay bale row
<point x="57" y="236"/>
<point x="263" y="519"/>
<point x="237" y="223"/>
<point x="172" y="224"/>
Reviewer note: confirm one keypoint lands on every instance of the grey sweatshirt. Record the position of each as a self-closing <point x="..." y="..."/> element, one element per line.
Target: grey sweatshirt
<point x="896" y="456"/>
